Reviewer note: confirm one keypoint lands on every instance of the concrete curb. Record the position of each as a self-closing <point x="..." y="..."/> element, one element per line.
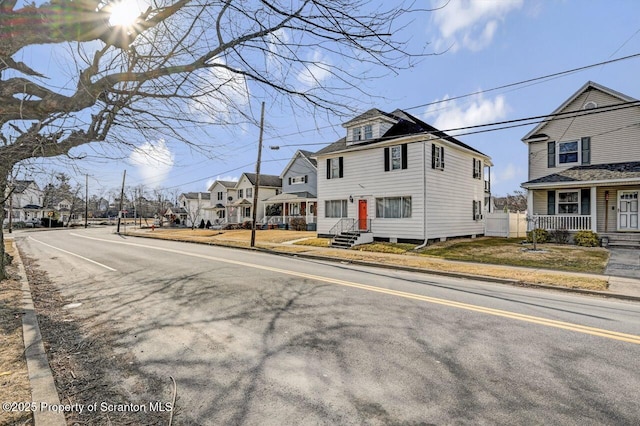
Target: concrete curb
<point x="515" y="283"/>
<point x="43" y="390"/>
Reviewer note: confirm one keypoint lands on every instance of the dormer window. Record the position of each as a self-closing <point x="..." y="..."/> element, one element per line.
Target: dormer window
<point x="368" y="132"/>
<point x="362" y="133"/>
<point x="357" y="133"/>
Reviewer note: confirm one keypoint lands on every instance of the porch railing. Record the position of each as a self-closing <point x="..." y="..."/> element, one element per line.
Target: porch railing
<point x="566" y="222"/>
<point x="277" y="220"/>
<point x="350" y="225"/>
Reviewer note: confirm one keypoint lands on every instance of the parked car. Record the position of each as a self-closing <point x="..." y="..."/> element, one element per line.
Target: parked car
<point x="33" y="223"/>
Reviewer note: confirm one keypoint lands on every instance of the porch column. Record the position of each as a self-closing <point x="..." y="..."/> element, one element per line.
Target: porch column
<point x="593" y="209"/>
<point x="530" y="225"/>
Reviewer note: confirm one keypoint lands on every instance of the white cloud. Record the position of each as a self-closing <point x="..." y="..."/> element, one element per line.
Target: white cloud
<point x="316" y="72"/>
<point x="470" y="24"/>
<point x="449" y="115"/>
<point x="153" y="161"/>
<point x="224" y="178"/>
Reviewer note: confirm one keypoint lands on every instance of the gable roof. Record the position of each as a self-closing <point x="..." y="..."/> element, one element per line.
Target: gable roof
<point x="265" y="180"/>
<point x="589" y="85"/>
<point x="373" y="112"/>
<point x="21" y="185"/>
<point x="590" y="173"/>
<point x="406" y="125"/>
<point x="226" y="183"/>
<point x="194" y="195"/>
<point x="302" y="154"/>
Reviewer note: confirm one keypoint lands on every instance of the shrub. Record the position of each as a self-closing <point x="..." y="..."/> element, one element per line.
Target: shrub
<point x="201" y="226"/>
<point x="298" y="224"/>
<point x="246" y="224"/>
<point x="208" y="224"/>
<point x="586" y="239"/>
<point x="560" y="236"/>
<point x="542" y="236"/>
<point x="231" y="226"/>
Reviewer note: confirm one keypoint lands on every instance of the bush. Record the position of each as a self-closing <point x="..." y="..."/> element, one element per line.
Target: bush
<point x="201" y="226"/>
<point x="560" y="236"/>
<point x="231" y="226"/>
<point x="586" y="239"/>
<point x="542" y="236"/>
<point x="208" y="224"/>
<point x="246" y="224"/>
<point x="298" y="224"/>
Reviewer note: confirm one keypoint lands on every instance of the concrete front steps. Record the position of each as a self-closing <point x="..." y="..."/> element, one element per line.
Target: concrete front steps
<point x="346" y="240"/>
<point x="622" y="239"/>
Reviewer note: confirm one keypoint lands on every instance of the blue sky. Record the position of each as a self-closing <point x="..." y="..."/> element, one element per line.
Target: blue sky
<point x="483" y="44"/>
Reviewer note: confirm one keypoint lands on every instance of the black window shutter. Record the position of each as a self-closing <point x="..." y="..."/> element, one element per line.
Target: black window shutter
<point x="404" y="155"/>
<point x="474" y="210"/>
<point x="306" y="178"/>
<point x="585" y="201"/>
<point x="289" y="180"/>
<point x="433" y="156"/>
<point x="551" y="154"/>
<point x="442" y="157"/>
<point x="386" y="159"/>
<point x="475" y="175"/>
<point x="340" y="164"/>
<point x="586" y="150"/>
<point x="551" y="202"/>
<point x="328" y="168"/>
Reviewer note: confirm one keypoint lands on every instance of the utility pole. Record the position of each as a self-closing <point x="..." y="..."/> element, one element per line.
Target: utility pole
<point x="255" y="191"/>
<point x="121" y="199"/>
<point x="86" y="201"/>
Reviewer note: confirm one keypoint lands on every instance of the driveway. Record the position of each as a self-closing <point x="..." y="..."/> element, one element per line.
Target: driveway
<point x="624" y="262"/>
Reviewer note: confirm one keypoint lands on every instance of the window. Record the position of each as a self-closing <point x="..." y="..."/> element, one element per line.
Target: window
<point x="249" y="192"/>
<point x="368" y="131"/>
<point x="335" y="208"/>
<point x="357" y="133"/>
<point x="393" y="207"/>
<point x="395" y="157"/>
<point x="220" y="195"/>
<point x="477" y="169"/>
<point x="477" y="210"/>
<point x="568" y="152"/>
<point x="437" y="157"/>
<point x="240" y="194"/>
<point x="247" y="212"/>
<point x="298" y="179"/>
<point x="568" y="202"/>
<point x="334" y="168"/>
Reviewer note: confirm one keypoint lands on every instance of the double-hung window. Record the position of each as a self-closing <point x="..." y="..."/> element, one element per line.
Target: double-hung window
<point x="393" y="207"/>
<point x="249" y="192"/>
<point x="437" y="157"/>
<point x="334" y="168"/>
<point x="368" y="132"/>
<point x="477" y="169"/>
<point x="568" y="202"/>
<point x="357" y="133"/>
<point x="395" y="157"/>
<point x="568" y="152"/>
<point x="240" y="194"/>
<point x="220" y="195"/>
<point x="335" y="208"/>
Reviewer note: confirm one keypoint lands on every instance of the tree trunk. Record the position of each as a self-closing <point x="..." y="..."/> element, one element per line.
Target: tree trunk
<point x="3" y="256"/>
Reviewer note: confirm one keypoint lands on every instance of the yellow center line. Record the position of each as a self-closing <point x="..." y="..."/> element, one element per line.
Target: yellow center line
<point x="629" y="338"/>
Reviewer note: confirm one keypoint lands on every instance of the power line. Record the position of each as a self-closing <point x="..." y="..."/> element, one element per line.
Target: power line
<point x="478" y="92"/>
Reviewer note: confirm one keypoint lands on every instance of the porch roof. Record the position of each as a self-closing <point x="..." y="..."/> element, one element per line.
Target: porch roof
<point x="291" y="196"/>
<point x="595" y="174"/>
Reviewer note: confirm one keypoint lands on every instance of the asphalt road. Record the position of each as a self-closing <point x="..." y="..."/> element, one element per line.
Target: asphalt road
<point x="261" y="339"/>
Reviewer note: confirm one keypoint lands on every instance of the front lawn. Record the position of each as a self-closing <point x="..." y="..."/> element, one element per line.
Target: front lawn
<point x="505" y="251"/>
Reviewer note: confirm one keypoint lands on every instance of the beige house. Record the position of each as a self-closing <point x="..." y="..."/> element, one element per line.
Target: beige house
<point x="584" y="165"/>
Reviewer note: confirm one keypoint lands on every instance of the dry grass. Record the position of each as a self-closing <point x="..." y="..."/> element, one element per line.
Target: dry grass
<point x="430" y="259"/>
<point x="14" y="379"/>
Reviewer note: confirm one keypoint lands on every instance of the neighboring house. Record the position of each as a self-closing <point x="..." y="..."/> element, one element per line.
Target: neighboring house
<point x="26" y="201"/>
<point x="584" y="169"/>
<point x="194" y="204"/>
<point x="240" y="208"/>
<point x="395" y="178"/>
<point x="299" y="189"/>
<point x="223" y="193"/>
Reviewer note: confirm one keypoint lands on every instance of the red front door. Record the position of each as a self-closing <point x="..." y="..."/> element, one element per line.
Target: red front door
<point x="362" y="215"/>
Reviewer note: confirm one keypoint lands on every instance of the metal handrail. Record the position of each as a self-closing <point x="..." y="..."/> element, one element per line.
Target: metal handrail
<point x="339" y="227"/>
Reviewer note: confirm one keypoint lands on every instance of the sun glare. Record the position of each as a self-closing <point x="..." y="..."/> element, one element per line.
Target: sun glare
<point x="124" y="13"/>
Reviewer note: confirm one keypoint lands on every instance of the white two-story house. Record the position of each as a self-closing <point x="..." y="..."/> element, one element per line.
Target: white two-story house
<point x="25" y="202"/>
<point x="394" y="177"/>
<point x="584" y="164"/>
<point x="240" y="207"/>
<point x="223" y="193"/>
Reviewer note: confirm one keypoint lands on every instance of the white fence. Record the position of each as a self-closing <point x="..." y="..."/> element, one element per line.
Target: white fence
<point x="501" y="224"/>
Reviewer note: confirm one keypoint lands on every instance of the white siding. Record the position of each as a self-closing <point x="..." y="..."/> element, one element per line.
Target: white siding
<point x="614" y="135"/>
<point x="450" y="192"/>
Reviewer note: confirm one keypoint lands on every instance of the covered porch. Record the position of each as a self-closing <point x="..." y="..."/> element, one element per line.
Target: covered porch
<point x="603" y="209"/>
<point x="287" y="208"/>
